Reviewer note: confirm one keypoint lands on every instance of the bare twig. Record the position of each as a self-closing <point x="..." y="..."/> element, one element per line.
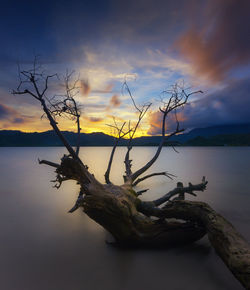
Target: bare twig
<point x="120" y="135"/>
<point x="169" y="175"/>
<point x="140" y="192"/>
<point x="142" y="111"/>
<point x="48" y="163"/>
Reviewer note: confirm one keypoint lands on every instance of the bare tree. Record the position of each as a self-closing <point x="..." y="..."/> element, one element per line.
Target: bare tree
<point x="119" y="209"/>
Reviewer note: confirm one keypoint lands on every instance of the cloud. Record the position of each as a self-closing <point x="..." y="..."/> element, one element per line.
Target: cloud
<point x="106" y="90"/>
<point x="155" y="121"/>
<point x="93" y="119"/>
<point x="6" y="112"/>
<point x="115" y="101"/>
<point x="216" y="40"/>
<point x="229" y="105"/>
<point x="10" y="117"/>
<point x="85" y="88"/>
<point x="18" y="121"/>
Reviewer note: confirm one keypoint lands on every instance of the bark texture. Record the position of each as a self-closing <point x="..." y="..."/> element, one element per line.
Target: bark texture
<point x="116" y="209"/>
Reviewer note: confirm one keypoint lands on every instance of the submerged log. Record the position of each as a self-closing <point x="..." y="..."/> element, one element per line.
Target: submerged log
<point x="228" y="243"/>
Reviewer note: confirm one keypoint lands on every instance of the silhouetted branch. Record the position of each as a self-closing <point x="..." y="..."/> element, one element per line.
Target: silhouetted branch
<point x="180" y="190"/>
<point x="31" y="78"/>
<point x="151" y="208"/>
<point x="169" y="175"/>
<point x="142" y="111"/>
<point x="140" y="192"/>
<point x="48" y="163"/>
<point x="46" y="83"/>
<point x="120" y="135"/>
<point x="178" y="99"/>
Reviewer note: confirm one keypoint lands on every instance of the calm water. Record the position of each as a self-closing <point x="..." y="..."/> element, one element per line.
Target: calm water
<point x="44" y="247"/>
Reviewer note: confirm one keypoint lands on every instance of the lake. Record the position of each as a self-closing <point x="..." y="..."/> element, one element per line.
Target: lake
<point x="44" y="247"/>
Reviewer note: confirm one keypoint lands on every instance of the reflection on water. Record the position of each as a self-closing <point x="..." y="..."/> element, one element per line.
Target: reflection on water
<point x="44" y="247"/>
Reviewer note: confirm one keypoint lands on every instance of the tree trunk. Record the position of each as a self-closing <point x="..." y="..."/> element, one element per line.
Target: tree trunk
<point x="116" y="210"/>
<point x="130" y="220"/>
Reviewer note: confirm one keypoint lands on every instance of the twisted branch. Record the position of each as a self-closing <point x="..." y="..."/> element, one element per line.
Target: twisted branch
<point x="165" y="173"/>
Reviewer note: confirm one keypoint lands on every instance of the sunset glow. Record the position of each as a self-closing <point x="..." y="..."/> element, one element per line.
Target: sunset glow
<point x="207" y="49"/>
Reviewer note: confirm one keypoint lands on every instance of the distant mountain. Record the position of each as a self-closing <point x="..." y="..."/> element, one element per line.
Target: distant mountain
<point x="220" y="140"/>
<point x="220" y="130"/>
<point x="235" y="134"/>
<point x="49" y="138"/>
<point x="182" y="139"/>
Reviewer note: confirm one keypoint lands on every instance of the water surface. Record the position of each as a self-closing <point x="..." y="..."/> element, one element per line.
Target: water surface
<point x="44" y="247"/>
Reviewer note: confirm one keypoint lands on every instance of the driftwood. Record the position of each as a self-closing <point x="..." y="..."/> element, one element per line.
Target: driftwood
<point x="132" y="221"/>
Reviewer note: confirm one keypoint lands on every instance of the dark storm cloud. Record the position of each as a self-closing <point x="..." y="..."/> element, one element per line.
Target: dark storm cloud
<point x="226" y="106"/>
<point x="229" y="105"/>
<point x="218" y="37"/>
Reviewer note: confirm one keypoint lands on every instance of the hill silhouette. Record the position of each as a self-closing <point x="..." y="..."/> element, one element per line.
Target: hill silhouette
<point x="234" y="135"/>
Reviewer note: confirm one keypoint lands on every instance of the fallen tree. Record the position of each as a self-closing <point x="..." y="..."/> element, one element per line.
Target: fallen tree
<point x="119" y="209"/>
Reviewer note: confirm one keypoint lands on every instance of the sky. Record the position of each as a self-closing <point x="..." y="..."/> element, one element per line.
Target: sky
<point x="149" y="44"/>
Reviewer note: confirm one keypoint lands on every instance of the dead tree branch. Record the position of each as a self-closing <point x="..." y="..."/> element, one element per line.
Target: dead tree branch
<point x="120" y="134"/>
<point x="48" y="163"/>
<point x="66" y="105"/>
<point x="178" y="99"/>
<point x="164" y="173"/>
<point x="31" y="79"/>
<point x="180" y="190"/>
<point x="151" y="208"/>
<point x="142" y="112"/>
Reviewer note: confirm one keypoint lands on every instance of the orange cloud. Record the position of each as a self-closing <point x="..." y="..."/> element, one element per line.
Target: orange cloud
<point x="85" y="88"/>
<point x="93" y="119"/>
<point x="192" y="46"/>
<point x="155" y="121"/>
<point x="216" y="40"/>
<point x="115" y="101"/>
